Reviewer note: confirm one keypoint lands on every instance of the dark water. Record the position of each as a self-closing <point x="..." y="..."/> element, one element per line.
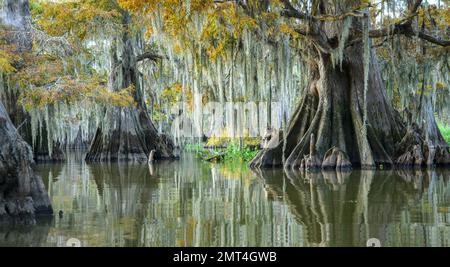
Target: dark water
<point x="192" y="203"/>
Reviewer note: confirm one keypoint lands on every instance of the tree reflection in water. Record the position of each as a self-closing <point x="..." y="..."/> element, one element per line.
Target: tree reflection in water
<point x="401" y="208"/>
<point x="192" y="203"/>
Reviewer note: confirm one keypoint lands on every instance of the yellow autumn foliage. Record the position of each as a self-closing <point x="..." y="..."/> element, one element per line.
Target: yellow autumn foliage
<point x="70" y="91"/>
<point x="74" y="18"/>
<point x="6" y="60"/>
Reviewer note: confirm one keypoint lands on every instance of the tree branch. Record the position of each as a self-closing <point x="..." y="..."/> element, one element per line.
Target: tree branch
<point x="148" y="55"/>
<point x="292" y="12"/>
<point x="408" y="31"/>
<point x="433" y="39"/>
<point x="404" y="27"/>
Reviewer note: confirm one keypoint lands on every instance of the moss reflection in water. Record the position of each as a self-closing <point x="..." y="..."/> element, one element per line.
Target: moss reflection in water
<point x="193" y="203"/>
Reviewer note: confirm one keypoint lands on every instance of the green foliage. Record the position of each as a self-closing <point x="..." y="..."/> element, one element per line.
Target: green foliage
<point x="234" y="153"/>
<point x="231" y="153"/>
<point x="445" y="131"/>
<point x="36" y="7"/>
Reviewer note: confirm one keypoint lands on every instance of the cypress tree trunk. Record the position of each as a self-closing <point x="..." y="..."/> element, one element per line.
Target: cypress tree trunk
<point x="327" y="130"/>
<point x="128" y="133"/>
<point x="22" y="193"/>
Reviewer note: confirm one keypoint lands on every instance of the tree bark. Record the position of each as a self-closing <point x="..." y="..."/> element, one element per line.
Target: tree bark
<point x="127" y="133"/>
<point x="332" y="111"/>
<point x="22" y="193"/>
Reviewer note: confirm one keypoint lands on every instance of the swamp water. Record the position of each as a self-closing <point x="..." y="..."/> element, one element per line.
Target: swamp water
<point x="194" y="203"/>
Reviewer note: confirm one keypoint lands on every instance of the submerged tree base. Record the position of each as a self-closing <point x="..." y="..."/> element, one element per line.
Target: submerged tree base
<point x="129" y="135"/>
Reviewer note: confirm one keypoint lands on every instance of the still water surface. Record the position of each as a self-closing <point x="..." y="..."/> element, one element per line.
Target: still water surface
<point x="193" y="203"/>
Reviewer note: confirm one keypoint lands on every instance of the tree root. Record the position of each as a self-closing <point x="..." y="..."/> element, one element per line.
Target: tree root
<point x="337" y="159"/>
<point x="412" y="157"/>
<point x="420" y="153"/>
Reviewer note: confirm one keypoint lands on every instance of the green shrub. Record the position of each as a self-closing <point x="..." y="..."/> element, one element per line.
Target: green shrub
<point x="445" y="131"/>
<point x="234" y="152"/>
<point x="231" y="153"/>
